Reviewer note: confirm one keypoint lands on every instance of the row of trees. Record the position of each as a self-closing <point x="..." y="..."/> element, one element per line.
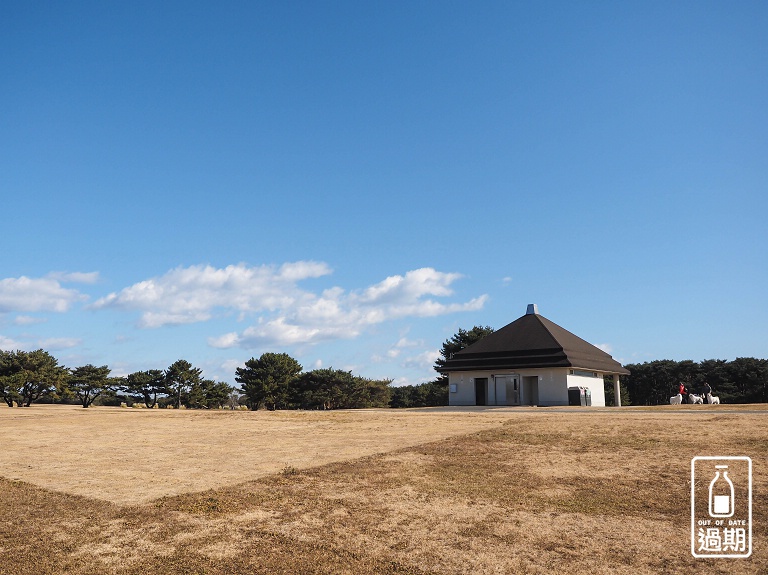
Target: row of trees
<point x="274" y="381"/>
<point x="277" y="381"/>
<point x="181" y="384"/>
<point x="743" y="380"/>
<point x="26" y="377"/>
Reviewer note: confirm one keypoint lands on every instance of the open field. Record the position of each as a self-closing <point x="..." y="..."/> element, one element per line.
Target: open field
<point x="133" y="456"/>
<point x="440" y="491"/>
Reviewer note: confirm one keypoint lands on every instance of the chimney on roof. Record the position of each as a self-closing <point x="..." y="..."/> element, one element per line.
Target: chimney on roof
<point x="533" y="309"/>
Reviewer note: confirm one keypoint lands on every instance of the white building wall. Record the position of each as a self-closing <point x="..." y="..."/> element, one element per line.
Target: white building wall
<point x="463" y="382"/>
<point x="595" y="385"/>
<point x="552" y="385"/>
<point x="553" y="388"/>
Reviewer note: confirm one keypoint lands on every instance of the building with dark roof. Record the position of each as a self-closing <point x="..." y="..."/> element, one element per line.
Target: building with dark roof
<point x="531" y="361"/>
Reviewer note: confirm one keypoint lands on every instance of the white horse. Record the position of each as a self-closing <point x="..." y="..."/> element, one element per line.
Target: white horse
<point x="713" y="399"/>
<point x="693" y="398"/>
<point x="676" y="399"/>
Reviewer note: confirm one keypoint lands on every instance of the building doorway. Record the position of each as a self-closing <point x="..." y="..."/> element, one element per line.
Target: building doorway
<point x="481" y="390"/>
<point x="507" y="388"/>
<point x="531" y="390"/>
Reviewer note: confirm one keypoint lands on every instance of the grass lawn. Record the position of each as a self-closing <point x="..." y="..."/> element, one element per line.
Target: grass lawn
<point x="502" y="490"/>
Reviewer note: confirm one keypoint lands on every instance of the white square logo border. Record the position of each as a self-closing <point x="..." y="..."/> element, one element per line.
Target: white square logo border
<point x="695" y="520"/>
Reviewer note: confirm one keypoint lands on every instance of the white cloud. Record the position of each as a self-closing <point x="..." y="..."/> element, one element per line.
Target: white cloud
<point x="401" y="381"/>
<point x="297" y="271"/>
<point x="25" y="294"/>
<point x="425" y="360"/>
<point x="120" y="369"/>
<point x="285" y="313"/>
<point x="28" y="320"/>
<point x="606" y="347"/>
<point x="396" y="350"/>
<point x="75" y="277"/>
<point x="404" y="342"/>
<point x="8" y="344"/>
<point x="338" y="314"/>
<point x="224" y="341"/>
<point x="282" y="332"/>
<point x="58" y="343"/>
<point x="416" y="283"/>
<point x="189" y="295"/>
<point x="49" y="344"/>
<point x="230" y="365"/>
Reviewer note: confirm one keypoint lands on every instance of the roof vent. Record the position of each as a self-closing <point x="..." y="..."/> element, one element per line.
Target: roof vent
<point x="533" y="309"/>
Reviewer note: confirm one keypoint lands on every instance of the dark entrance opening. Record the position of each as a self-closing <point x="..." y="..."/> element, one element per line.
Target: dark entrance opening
<point x="481" y="387"/>
<point x="531" y="390"/>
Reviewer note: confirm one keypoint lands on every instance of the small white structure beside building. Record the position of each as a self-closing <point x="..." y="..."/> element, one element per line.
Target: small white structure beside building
<point x="531" y="361"/>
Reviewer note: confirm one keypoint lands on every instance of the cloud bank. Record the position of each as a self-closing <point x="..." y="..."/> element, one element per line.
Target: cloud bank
<point x="193" y="294"/>
<point x="339" y="314"/>
<point x="284" y="313"/>
<point x="24" y="294"/>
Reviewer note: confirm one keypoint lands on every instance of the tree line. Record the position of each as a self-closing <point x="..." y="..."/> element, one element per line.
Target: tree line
<point x="743" y="380"/>
<point x="274" y="381"/>
<point x="277" y="381"/>
<point x="27" y="377"/>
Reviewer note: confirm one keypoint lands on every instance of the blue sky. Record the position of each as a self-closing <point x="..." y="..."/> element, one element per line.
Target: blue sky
<point x="352" y="182"/>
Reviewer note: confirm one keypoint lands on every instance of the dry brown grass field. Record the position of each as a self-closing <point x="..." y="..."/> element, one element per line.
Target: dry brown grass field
<point x="433" y="491"/>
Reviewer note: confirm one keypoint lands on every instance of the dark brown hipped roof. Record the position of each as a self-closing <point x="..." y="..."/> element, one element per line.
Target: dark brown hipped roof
<point x="532" y="341"/>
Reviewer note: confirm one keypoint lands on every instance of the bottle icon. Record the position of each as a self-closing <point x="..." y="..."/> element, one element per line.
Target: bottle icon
<point x="721" y="493"/>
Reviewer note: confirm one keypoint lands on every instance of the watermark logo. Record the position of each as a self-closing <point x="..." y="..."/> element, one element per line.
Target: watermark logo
<point x="721" y="506"/>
